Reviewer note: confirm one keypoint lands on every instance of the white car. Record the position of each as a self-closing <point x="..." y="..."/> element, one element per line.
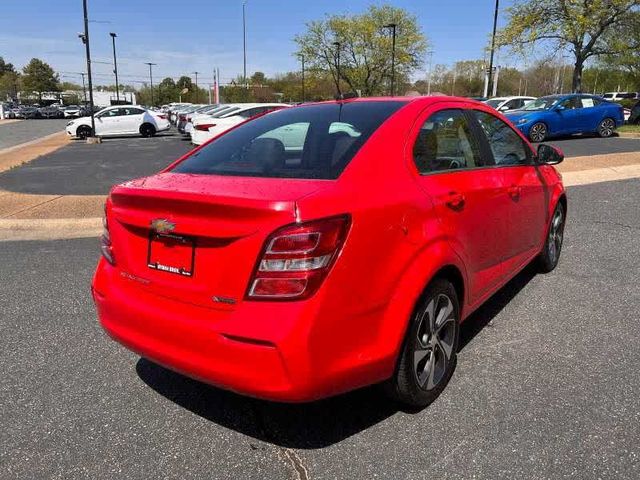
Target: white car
<point x="72" y="111"/>
<point x="615" y="96"/>
<point x="504" y="104"/>
<point x="120" y="120"/>
<point x="207" y="127"/>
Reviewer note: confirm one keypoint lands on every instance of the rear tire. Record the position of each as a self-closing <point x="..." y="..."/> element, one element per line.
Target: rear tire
<point x="428" y="357"/>
<point x="550" y="255"/>
<point x="147" y="130"/>
<point x="606" y="127"/>
<point x="83" y="132"/>
<point x="538" y="132"/>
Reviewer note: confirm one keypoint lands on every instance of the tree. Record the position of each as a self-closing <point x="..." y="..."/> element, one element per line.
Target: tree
<point x="364" y="51"/>
<point x="39" y="77"/>
<point x="6" y="67"/>
<point x="586" y="27"/>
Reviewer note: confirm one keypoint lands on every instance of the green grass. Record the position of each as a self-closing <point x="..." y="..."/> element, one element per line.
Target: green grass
<point x="629" y="129"/>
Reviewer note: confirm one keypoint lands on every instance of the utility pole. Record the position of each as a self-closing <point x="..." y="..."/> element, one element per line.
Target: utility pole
<point x="393" y="26"/>
<point x="430" y="53"/>
<point x="151" y="79"/>
<point x="493" y="44"/>
<point x="244" y="43"/>
<point x="84" y="91"/>
<point x="495" y="81"/>
<point x="115" y="66"/>
<point x="85" y="39"/>
<point x="197" y="91"/>
<point x="338" y="45"/>
<point x="302" y="62"/>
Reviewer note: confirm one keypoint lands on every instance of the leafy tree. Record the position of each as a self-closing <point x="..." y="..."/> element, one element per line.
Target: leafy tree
<point x="10" y="85"/>
<point x="6" y="67"/>
<point x="39" y="77"/>
<point x="589" y="28"/>
<point x="364" y="50"/>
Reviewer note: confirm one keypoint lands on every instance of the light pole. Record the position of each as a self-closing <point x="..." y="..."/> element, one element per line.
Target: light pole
<point x="244" y="43"/>
<point x="115" y="66"/>
<point x="392" y="26"/>
<point x="338" y="45"/>
<point x="85" y="39"/>
<point x="151" y="79"/>
<point x="493" y="44"/>
<point x="84" y="91"/>
<point x="302" y="63"/>
<point x="197" y="91"/>
<point x="430" y="53"/>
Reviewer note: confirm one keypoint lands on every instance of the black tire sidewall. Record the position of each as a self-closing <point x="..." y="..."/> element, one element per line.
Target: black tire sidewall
<point x="600" y="128"/>
<point x="546" y="265"/>
<point x="147" y="130"/>
<point x="81" y="129"/>
<point x="404" y="384"/>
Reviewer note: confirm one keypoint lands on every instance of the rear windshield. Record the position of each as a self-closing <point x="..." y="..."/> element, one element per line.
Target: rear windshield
<point x="313" y="141"/>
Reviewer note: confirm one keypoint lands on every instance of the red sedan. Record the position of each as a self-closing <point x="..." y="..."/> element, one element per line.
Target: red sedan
<point x="325" y="247"/>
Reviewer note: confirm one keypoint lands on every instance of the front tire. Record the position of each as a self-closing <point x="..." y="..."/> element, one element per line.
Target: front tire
<point x="83" y="132"/>
<point x="550" y="255"/>
<point x="538" y="132"/>
<point x="606" y="127"/>
<point x="147" y="130"/>
<point x="428" y="356"/>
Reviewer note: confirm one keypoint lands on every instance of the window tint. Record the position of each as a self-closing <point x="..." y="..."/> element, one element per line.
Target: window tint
<point x="132" y="111"/>
<point x="571" y="103"/>
<point x="114" y="112"/>
<point x="445" y="143"/>
<point x="254" y="111"/>
<point x="506" y="145"/>
<point x="311" y="141"/>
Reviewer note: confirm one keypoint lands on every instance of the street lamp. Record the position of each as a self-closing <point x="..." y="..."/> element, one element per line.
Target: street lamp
<point x="197" y="91"/>
<point x="151" y="79"/>
<point x="115" y="66"/>
<point x="244" y="42"/>
<point x="493" y="44"/>
<point x="302" y="62"/>
<point x="338" y="45"/>
<point x="85" y="39"/>
<point x="392" y="26"/>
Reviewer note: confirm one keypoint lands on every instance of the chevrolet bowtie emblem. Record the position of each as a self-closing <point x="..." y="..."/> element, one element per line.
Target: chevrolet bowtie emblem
<point x="162" y="225"/>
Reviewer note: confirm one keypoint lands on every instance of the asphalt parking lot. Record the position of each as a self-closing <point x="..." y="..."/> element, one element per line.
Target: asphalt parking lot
<point x="81" y="169"/>
<point x="546" y="385"/>
<point x="15" y="133"/>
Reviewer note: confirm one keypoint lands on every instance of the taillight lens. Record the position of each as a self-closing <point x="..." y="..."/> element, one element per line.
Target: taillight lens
<point x="296" y="259"/>
<point x="204" y="127"/>
<point x="162" y="117"/>
<point x="105" y="240"/>
<point x="182" y="117"/>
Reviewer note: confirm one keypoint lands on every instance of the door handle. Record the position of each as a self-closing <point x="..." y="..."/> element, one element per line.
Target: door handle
<point x="455" y="200"/>
<point x="514" y="191"/>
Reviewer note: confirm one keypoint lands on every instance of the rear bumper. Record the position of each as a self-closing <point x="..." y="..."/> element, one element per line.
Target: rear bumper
<point x="260" y="349"/>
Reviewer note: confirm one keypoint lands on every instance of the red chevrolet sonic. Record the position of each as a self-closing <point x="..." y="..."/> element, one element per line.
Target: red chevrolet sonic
<point x="325" y="247"/>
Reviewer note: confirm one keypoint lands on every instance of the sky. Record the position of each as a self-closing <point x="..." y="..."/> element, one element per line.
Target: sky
<point x="183" y="37"/>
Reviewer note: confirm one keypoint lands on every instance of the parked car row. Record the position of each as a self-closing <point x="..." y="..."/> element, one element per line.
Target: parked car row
<point x="50" y="111"/>
<point x="203" y="122"/>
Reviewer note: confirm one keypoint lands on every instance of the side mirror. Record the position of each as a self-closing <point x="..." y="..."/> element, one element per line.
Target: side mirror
<point x="548" y="155"/>
<point x="503" y="108"/>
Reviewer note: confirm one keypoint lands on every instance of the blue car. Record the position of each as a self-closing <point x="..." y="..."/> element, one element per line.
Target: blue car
<point x="567" y="115"/>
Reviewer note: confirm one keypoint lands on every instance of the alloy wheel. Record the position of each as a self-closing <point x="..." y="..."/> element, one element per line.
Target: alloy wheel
<point x="538" y="132"/>
<point x="607" y="126"/>
<point x="556" y="232"/>
<point x="435" y="342"/>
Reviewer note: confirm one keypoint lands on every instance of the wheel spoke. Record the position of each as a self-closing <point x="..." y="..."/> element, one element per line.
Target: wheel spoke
<point x="445" y="343"/>
<point x="446" y="308"/>
<point x="431" y="372"/>
<point x="423" y="367"/>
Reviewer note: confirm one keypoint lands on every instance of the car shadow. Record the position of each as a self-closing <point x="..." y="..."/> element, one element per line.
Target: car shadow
<point x="310" y="425"/>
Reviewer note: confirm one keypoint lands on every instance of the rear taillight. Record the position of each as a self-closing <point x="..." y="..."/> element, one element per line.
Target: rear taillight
<point x="204" y="127"/>
<point x="162" y="117"/>
<point x="182" y="117"/>
<point x="105" y="241"/>
<point x="296" y="259"/>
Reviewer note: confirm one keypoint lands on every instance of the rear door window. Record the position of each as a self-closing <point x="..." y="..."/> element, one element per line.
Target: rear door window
<point x="310" y="141"/>
<point x="445" y="142"/>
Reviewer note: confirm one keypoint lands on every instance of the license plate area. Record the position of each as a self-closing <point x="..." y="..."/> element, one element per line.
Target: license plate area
<point x="172" y="254"/>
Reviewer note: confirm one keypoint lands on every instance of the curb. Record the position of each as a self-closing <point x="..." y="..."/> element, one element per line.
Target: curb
<point x="49" y="228"/>
<point x="31" y="142"/>
<point x="628" y="135"/>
